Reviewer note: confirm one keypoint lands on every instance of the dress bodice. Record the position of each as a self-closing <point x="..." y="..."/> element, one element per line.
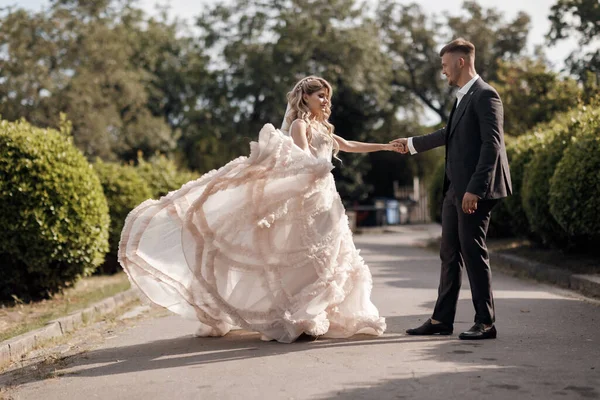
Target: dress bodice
<point x="321" y="143"/>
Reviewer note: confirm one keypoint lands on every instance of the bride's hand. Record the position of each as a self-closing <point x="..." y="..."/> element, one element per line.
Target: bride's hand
<point x="395" y="146"/>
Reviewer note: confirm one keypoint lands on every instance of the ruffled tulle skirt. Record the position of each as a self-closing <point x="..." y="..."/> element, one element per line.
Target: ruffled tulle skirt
<point x="261" y="244"/>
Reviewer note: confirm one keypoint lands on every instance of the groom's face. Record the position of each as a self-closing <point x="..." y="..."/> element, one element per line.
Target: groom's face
<point x="451" y="67"/>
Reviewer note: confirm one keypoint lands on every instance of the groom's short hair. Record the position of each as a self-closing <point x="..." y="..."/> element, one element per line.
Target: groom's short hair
<point x="459" y="45"/>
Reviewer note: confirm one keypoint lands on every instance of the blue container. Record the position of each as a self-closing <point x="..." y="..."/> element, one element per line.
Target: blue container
<point x="392" y="212"/>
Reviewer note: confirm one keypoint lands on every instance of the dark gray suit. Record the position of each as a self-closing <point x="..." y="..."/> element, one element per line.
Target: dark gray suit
<point x="476" y="162"/>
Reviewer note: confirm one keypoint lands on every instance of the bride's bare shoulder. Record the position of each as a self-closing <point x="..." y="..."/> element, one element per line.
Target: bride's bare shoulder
<point x="298" y="125"/>
<point x="300" y="122"/>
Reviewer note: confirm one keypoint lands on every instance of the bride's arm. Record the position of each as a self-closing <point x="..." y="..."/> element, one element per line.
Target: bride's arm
<point x="351" y="146"/>
<point x="298" y="134"/>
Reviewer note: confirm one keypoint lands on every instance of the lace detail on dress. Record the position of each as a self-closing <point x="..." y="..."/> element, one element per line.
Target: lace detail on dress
<point x="263" y="244"/>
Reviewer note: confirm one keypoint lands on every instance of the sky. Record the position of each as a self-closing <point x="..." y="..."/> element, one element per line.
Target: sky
<point x="538" y="11"/>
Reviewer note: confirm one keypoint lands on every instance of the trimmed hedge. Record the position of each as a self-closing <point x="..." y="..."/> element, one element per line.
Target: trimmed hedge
<point x="536" y="181"/>
<point x="575" y="185"/>
<point x="436" y="186"/>
<point x="520" y="152"/>
<point x="124" y="189"/>
<point x="501" y="218"/>
<point x="508" y="217"/>
<point x="555" y="171"/>
<point x="162" y="175"/>
<point x="499" y="223"/>
<point x="53" y="214"/>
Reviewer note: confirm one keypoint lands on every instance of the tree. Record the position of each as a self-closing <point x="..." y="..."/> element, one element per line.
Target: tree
<point x="494" y="39"/>
<point x="177" y="67"/>
<point x="532" y="94"/>
<point x="582" y="18"/>
<point x="264" y="48"/>
<point x="412" y="40"/>
<point x="77" y="58"/>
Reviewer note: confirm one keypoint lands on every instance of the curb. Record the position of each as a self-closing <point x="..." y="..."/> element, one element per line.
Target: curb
<point x="588" y="285"/>
<point x="14" y="349"/>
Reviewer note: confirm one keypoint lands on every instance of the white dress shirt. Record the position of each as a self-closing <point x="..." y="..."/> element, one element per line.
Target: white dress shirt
<point x="459" y="95"/>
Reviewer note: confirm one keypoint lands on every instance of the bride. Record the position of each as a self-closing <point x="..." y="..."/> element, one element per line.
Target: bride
<point x="263" y="243"/>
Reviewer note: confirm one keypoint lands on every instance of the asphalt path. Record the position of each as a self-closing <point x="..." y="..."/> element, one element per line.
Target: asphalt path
<point x="548" y="347"/>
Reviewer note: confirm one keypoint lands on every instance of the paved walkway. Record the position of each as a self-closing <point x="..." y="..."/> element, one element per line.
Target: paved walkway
<point x="548" y="348"/>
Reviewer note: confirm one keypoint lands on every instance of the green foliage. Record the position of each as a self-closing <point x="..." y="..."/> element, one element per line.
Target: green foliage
<point x="536" y="188"/>
<point x="579" y="18"/>
<point x="436" y="188"/>
<point x="162" y="175"/>
<point x="519" y="151"/>
<point x="85" y="61"/>
<point x="501" y="218"/>
<point x="260" y="57"/>
<point x="536" y="181"/>
<point x="494" y="38"/>
<point x="349" y="178"/>
<point x="412" y="41"/>
<point x="575" y="185"/>
<point x="499" y="223"/>
<point x="53" y="215"/>
<point x="532" y="94"/>
<point x="131" y="82"/>
<point x="124" y="189"/>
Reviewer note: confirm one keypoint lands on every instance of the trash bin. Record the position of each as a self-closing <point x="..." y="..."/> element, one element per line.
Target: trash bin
<point x="380" y="209"/>
<point x="392" y="212"/>
<point x="403" y="211"/>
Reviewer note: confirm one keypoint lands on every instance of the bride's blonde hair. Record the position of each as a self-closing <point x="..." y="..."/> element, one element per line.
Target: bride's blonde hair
<point x="299" y="109"/>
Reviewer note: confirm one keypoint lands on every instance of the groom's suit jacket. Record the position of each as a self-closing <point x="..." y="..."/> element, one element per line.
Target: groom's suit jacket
<point x="476" y="160"/>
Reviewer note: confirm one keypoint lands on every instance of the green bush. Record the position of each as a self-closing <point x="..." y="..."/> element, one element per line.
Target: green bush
<point x="124" y="190"/>
<point x="536" y="181"/>
<point x="500" y="221"/>
<point x="436" y="187"/>
<point x="53" y="214"/>
<point x="520" y="152"/>
<point x="162" y="175"/>
<point x="536" y="188"/>
<point x="498" y="224"/>
<point x="575" y="185"/>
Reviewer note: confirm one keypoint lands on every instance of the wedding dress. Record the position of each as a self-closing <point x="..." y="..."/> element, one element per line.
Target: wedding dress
<point x="261" y="244"/>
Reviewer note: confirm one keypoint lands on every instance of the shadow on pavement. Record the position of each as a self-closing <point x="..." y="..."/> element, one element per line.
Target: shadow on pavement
<point x="186" y="351"/>
<point x="489" y="384"/>
<point x="567" y="360"/>
<point x="547" y="345"/>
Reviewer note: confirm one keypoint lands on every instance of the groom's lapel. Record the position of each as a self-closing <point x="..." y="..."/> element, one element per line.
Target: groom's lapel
<point x="462" y="106"/>
<point x="452" y="112"/>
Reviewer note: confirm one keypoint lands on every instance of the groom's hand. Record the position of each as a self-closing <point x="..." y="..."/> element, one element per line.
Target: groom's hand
<point x="469" y="203"/>
<point x="402" y="145"/>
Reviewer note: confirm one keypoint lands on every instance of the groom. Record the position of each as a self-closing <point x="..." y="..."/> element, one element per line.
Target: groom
<point x="476" y="177"/>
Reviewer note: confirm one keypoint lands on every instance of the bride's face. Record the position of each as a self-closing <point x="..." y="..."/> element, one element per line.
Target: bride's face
<point x="317" y="102"/>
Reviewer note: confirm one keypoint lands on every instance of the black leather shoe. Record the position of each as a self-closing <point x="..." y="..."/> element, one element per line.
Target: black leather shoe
<point x="428" y="328"/>
<point x="479" y="332"/>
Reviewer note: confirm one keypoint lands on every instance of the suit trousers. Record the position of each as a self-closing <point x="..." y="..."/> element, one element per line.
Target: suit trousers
<point x="464" y="244"/>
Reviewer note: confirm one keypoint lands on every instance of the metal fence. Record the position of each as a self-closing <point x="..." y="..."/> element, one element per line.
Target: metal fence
<point x="417" y="195"/>
<point x="410" y="206"/>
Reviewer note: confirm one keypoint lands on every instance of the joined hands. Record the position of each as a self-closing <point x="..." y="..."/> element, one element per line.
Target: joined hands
<point x="401" y="145"/>
<point x="393" y="146"/>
